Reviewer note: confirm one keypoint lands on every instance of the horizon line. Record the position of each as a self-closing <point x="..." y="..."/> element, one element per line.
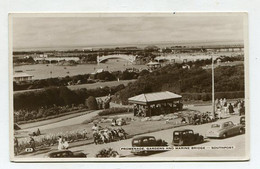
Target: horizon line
<point x="188" y="42"/>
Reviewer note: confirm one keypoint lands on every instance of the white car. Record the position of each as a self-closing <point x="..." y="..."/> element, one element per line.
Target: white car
<point x="225" y="129"/>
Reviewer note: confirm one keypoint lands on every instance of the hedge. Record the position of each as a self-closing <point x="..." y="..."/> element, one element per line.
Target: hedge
<point x="208" y="96"/>
<point x="115" y="110"/>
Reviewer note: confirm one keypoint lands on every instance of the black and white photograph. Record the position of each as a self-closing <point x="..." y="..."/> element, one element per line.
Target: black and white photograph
<point x="129" y="86"/>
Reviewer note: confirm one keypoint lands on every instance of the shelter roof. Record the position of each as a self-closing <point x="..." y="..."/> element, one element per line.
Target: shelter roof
<point x="154" y="97"/>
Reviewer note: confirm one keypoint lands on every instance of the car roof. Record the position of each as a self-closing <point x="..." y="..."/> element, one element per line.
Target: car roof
<point x="181" y="130"/>
<point x="221" y="123"/>
<point x="59" y="151"/>
<point x="142" y="137"/>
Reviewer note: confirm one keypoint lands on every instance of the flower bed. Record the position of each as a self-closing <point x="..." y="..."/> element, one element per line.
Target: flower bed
<point x="51" y="139"/>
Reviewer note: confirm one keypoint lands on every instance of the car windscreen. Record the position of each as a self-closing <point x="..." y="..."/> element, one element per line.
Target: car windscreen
<point x="151" y="138"/>
<point x="215" y="126"/>
<point x="176" y="133"/>
<point x="136" y="141"/>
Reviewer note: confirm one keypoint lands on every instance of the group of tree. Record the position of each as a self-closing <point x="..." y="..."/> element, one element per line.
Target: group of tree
<point x="28" y="60"/>
<point x="52" y="82"/>
<point x="59" y="96"/>
<point x="194" y="80"/>
<point x="72" y="80"/>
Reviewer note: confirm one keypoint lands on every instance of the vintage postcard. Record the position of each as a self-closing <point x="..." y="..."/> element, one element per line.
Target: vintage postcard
<point x="129" y="87"/>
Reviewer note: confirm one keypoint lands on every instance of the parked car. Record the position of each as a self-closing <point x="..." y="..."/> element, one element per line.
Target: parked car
<point x="66" y="154"/>
<point x="186" y="137"/>
<point x="225" y="129"/>
<point x="146" y="141"/>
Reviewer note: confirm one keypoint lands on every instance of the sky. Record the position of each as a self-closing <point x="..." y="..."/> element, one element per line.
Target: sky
<point x="57" y="32"/>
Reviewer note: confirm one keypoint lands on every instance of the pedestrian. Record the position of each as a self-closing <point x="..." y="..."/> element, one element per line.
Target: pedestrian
<point x="65" y="144"/>
<point x="239" y="108"/>
<point x="183" y="120"/>
<point x="60" y="143"/>
<point x="38" y="132"/>
<point x="219" y="113"/>
<point x="230" y="108"/>
<point x="32" y="144"/>
<point x="189" y="119"/>
<point x="224" y="102"/>
<point x="113" y="122"/>
<point x="95" y="127"/>
<point x="84" y="132"/>
<point x="221" y="102"/>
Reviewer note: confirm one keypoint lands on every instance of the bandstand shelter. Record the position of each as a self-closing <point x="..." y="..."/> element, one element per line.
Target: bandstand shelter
<point x="150" y="104"/>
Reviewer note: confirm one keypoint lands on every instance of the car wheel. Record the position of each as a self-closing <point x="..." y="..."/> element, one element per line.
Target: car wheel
<point x="201" y="139"/>
<point x="181" y="143"/>
<point x="224" y="135"/>
<point x="241" y="131"/>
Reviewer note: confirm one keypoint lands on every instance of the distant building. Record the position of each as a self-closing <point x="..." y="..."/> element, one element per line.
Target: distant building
<point x="97" y="71"/>
<point x="186" y="66"/>
<point x="153" y="65"/>
<point x="43" y="55"/>
<point x="21" y="77"/>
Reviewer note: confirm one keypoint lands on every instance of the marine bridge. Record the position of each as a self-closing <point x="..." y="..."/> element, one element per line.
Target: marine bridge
<point x="130" y="58"/>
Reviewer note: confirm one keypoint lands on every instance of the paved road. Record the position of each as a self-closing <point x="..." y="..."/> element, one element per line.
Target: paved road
<point x="237" y="142"/>
<point x="71" y="121"/>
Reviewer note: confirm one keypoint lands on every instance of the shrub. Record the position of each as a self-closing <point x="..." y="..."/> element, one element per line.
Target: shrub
<point x="114" y="110"/>
<point x="105" y="76"/>
<point x="92" y="103"/>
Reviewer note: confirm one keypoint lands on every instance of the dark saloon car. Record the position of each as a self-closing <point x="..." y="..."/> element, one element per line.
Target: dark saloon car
<point x="146" y="141"/>
<point x="66" y="154"/>
<point x="186" y="137"/>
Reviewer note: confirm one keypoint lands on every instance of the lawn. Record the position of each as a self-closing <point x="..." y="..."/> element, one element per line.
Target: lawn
<point x="89" y="86"/>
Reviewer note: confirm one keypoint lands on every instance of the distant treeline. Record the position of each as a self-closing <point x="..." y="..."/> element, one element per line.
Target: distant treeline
<point x="194" y="80"/>
<point x="78" y="79"/>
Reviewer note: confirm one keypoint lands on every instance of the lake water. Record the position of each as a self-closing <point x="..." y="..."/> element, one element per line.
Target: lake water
<point x="42" y="71"/>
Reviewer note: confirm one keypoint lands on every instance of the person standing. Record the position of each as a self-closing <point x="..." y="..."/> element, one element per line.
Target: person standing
<point x="60" y="143"/>
<point x="239" y="107"/>
<point x="65" y="144"/>
<point x="84" y="132"/>
<point x="221" y="103"/>
<point x="95" y="127"/>
<point x="32" y="144"/>
<point x="230" y="108"/>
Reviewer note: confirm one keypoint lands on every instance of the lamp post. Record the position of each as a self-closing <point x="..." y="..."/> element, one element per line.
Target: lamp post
<point x="213" y="88"/>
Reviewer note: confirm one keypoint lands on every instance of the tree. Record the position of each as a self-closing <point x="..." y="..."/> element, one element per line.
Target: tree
<point x="105" y="76"/>
<point x="92" y="103"/>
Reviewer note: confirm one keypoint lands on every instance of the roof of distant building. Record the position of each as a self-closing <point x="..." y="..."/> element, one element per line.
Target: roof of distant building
<point x="22" y="74"/>
<point x="153" y="63"/>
